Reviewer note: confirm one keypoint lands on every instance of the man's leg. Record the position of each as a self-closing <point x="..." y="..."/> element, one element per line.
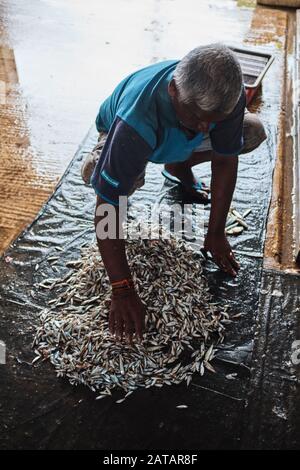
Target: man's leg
<point x="92" y="158"/>
<point x="183" y="171"/>
<point x="183" y="168"/>
<point x="253" y="132"/>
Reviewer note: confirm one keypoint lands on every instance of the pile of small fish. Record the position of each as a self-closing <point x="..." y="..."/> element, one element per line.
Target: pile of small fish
<point x="235" y="223"/>
<point x="182" y="324"/>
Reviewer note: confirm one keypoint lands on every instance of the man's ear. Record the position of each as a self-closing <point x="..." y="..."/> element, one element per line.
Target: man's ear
<point x="172" y="90"/>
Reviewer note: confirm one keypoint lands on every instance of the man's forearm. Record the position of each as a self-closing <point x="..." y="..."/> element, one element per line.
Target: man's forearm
<point x="114" y="258"/>
<point x="113" y="251"/>
<point x="224" y="175"/>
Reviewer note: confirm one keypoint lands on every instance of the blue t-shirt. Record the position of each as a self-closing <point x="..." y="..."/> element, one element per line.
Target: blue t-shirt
<point x="142" y="126"/>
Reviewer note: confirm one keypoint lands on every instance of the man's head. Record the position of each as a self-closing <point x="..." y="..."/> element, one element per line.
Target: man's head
<point x="206" y="86"/>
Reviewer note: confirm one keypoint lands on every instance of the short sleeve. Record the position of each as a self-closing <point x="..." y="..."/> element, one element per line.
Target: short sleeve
<point x="122" y="160"/>
<point x="227" y="136"/>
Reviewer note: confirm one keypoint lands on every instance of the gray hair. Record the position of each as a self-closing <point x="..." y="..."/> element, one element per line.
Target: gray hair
<point x="211" y="77"/>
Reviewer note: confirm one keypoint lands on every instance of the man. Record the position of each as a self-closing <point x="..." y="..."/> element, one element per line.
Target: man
<point x="180" y="113"/>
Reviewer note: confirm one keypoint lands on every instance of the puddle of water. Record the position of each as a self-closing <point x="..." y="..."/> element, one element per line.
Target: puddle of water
<point x="21" y="191"/>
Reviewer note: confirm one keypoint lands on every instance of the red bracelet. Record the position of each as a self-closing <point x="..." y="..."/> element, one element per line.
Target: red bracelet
<point x="123" y="284"/>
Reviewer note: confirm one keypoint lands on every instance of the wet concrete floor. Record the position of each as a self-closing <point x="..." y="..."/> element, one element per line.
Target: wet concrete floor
<point x="60" y="59"/>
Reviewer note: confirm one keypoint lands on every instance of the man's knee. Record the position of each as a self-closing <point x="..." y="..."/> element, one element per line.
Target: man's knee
<point x="254" y="132"/>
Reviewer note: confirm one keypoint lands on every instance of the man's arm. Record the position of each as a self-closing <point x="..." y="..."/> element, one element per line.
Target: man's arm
<point x="127" y="312"/>
<point x="122" y="160"/>
<point x="112" y="250"/>
<point x="224" y="175"/>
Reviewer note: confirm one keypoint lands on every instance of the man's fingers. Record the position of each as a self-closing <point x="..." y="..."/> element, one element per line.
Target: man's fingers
<point x="138" y="323"/>
<point x="138" y="330"/>
<point x="227" y="267"/>
<point x="128" y="328"/>
<point x="127" y="317"/>
<point x="119" y="328"/>
<point x="111" y="322"/>
<point x="233" y="261"/>
<point x="129" y="337"/>
<point x="224" y="265"/>
<point x="143" y="318"/>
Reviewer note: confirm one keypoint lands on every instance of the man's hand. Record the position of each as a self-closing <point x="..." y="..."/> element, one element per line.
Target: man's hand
<point x="127" y="315"/>
<point x="222" y="254"/>
<point x="224" y="173"/>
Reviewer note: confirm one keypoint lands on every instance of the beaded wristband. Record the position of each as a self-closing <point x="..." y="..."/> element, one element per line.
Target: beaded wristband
<point x="123" y="284"/>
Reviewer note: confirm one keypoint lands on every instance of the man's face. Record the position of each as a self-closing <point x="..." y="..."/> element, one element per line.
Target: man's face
<point x="190" y="115"/>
